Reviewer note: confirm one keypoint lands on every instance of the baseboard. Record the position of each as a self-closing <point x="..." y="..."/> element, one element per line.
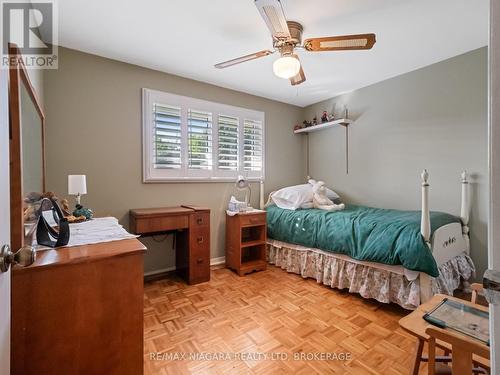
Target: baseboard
<point x="217" y="261"/>
<point x="161" y="273"/>
<point x="156" y="272"/>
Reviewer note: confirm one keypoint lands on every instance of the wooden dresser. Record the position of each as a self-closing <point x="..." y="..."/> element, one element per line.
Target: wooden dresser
<point x="246" y="242"/>
<point x="191" y="224"/>
<point x="79" y="310"/>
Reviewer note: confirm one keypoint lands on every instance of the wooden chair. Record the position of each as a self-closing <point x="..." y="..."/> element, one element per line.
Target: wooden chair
<point x="476" y="289"/>
<point x="462" y="350"/>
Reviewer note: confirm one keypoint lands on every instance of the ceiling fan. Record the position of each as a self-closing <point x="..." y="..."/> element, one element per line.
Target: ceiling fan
<point x="287" y="35"/>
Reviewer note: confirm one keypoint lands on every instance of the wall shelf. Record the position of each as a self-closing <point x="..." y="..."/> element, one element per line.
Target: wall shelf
<point x="343" y="122"/>
<point x="325" y="125"/>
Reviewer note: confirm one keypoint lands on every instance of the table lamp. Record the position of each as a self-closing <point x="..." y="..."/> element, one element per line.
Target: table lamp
<point x="242" y="184"/>
<point x="77" y="185"/>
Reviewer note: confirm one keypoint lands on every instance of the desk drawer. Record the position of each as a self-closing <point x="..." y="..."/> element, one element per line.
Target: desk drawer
<point x="252" y="219"/>
<point x="161" y="224"/>
<point x="199" y="239"/>
<point x="200" y="219"/>
<point x="199" y="268"/>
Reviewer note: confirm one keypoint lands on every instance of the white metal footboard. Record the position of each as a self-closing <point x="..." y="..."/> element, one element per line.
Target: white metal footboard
<point x="448" y="241"/>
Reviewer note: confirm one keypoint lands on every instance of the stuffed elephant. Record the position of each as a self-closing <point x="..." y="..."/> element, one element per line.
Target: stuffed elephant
<point x="320" y="199"/>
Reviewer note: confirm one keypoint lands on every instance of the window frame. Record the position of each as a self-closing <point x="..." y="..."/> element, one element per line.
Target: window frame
<point x="184" y="174"/>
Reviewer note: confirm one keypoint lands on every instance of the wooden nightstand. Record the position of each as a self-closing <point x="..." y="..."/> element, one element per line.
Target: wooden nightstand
<point x="246" y="242"/>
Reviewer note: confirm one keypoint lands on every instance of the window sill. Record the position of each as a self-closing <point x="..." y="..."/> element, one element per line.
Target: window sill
<point x="175" y="180"/>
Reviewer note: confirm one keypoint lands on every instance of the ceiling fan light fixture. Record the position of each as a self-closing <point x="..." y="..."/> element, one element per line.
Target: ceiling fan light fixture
<point x="286" y="67"/>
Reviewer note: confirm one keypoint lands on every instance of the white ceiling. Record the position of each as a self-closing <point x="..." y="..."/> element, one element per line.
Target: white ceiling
<point x="187" y="37"/>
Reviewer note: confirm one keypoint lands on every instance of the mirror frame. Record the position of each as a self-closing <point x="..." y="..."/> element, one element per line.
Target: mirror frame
<point x="18" y="75"/>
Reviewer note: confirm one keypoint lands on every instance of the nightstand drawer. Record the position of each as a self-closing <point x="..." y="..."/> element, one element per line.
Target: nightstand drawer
<point x="252" y="219"/>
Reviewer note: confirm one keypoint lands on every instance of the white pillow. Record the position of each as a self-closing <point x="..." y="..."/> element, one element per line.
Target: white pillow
<point x="292" y="197"/>
<point x="332" y="195"/>
<point x="297" y="196"/>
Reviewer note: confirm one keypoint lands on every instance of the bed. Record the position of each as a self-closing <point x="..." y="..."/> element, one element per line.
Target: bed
<point x="396" y="256"/>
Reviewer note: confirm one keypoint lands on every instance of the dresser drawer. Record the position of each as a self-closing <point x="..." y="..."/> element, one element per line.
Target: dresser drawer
<point x="252" y="219"/>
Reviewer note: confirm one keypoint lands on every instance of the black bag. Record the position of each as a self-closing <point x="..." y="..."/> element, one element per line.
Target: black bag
<point x="45" y="233"/>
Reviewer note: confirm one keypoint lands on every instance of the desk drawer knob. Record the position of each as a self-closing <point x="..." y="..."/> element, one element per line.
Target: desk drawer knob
<point x="199" y="220"/>
<point x="199" y="261"/>
<point x="200" y="240"/>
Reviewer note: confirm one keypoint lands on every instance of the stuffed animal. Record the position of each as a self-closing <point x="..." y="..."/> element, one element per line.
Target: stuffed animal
<point x="320" y="200"/>
<point x="32" y="205"/>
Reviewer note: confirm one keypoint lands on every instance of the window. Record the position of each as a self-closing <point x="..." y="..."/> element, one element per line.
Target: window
<point x="199" y="140"/>
<point x="252" y="145"/>
<point x="228" y="143"/>
<point x="167" y="137"/>
<point x="187" y="139"/>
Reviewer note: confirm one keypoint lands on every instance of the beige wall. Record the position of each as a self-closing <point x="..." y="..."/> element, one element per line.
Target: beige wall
<point x="434" y="118"/>
<point x="36" y="78"/>
<point x="93" y="108"/>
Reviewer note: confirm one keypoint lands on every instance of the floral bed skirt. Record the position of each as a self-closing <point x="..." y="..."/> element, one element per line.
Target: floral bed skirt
<point x="381" y="283"/>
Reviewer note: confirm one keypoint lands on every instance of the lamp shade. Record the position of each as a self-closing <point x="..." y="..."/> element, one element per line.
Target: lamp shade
<point x="77" y="184"/>
<point x="241" y="182"/>
<point x="286" y="67"/>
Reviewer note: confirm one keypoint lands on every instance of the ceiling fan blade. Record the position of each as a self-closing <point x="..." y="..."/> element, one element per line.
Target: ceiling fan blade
<point x="340" y="43"/>
<point x="242" y="59"/>
<point x="272" y="13"/>
<point x="300" y="77"/>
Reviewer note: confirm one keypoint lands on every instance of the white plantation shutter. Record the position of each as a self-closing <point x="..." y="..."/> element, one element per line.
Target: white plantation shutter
<point x="188" y="139"/>
<point x="199" y="140"/>
<point x="253" y="137"/>
<point x="167" y="136"/>
<point x="228" y="143"/>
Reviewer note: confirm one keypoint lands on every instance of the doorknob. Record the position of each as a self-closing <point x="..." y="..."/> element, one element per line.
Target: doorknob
<point x="491" y="285"/>
<point x="25" y="256"/>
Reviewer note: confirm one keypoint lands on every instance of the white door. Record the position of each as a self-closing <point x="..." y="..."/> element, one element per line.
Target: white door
<point x="4" y="224"/>
<point x="494" y="222"/>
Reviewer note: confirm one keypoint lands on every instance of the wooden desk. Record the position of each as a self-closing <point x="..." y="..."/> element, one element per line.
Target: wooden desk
<point x="415" y="324"/>
<point x="192" y="227"/>
<point x="79" y="310"/>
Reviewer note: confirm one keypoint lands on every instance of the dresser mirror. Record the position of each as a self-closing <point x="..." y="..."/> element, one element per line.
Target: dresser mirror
<point x="27" y="156"/>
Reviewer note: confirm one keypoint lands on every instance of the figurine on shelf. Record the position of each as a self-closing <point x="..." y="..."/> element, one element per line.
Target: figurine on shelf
<point x="306" y="124"/>
<point x="324" y="117"/>
<point x="315" y="121"/>
<point x="331" y="117"/>
<point x="297" y="127"/>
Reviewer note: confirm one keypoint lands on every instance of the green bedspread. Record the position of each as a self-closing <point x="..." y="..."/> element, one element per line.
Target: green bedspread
<point x="363" y="233"/>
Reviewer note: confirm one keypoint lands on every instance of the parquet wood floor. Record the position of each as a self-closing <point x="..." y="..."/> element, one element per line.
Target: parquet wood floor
<point x="272" y="312"/>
